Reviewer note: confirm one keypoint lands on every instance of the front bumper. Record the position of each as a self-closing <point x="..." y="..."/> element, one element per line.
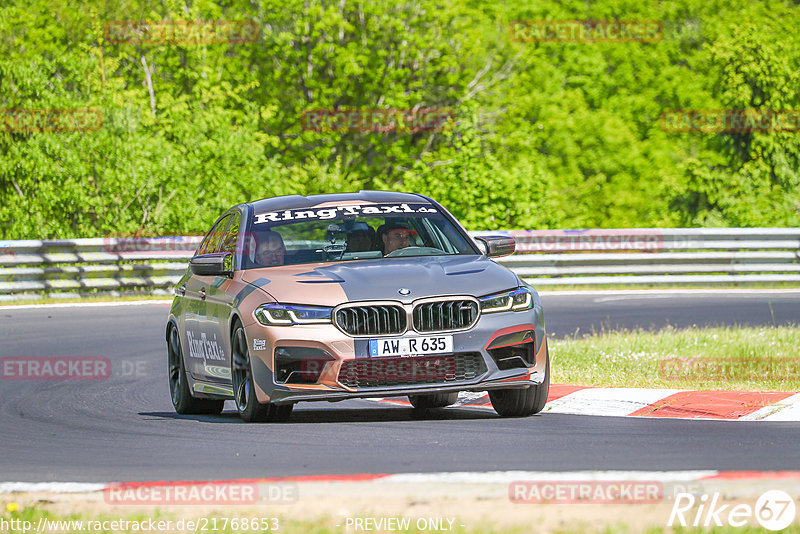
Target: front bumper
<point x="491" y="334"/>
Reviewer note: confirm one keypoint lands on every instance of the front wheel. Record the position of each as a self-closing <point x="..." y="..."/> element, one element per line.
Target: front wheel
<point x="523" y="402"/>
<point x="244" y="391"/>
<point x="182" y="399"/>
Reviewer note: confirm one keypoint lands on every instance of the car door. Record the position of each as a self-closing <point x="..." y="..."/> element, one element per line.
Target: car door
<point x="219" y="307"/>
<point x="203" y="348"/>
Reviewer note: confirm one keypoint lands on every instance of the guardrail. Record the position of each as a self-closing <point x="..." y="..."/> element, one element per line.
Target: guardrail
<point x="98" y="266"/>
<point x="655" y="256"/>
<point x="119" y="266"/>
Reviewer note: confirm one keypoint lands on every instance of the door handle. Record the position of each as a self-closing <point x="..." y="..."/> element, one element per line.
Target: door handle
<point x="180" y="291"/>
<point x="202" y="293"/>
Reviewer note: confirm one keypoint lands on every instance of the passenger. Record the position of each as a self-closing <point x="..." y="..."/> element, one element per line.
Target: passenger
<point x="361" y="238"/>
<point x="394" y="236"/>
<point x="270" y="250"/>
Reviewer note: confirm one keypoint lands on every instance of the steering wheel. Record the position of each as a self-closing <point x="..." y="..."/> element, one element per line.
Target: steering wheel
<point x="414" y="251"/>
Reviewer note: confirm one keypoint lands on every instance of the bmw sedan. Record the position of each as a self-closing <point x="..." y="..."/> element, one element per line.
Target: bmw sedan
<point x="353" y="295"/>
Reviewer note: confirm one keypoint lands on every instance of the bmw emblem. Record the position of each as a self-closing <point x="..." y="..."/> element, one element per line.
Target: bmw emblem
<point x="404" y="291"/>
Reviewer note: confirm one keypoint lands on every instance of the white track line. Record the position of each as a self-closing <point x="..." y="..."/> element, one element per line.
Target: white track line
<point x="51" y="487"/>
<point x="554" y="293"/>
<point x="677" y="291"/>
<point x="505" y="477"/>
<point x="490" y="477"/>
<point x="83" y="304"/>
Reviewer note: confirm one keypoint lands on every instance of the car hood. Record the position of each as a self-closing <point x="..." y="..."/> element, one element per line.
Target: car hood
<point x="330" y="284"/>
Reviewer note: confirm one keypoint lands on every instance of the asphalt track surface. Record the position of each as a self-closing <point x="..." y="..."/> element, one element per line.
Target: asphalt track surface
<point x="123" y="428"/>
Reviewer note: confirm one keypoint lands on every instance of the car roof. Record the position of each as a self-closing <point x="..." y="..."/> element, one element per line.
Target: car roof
<point x="297" y="201"/>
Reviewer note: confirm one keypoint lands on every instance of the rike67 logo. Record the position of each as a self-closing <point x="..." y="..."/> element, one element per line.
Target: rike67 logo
<point x="774" y="510"/>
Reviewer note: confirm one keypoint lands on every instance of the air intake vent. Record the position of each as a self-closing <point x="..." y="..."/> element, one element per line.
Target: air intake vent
<point x="445" y="315"/>
<point x="382" y="372"/>
<point x="375" y="320"/>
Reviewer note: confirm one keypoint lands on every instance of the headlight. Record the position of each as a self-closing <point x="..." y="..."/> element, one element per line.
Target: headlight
<point x="515" y="300"/>
<point x="289" y="314"/>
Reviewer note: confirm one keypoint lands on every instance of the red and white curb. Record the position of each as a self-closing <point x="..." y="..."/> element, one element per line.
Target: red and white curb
<point x="658" y="403"/>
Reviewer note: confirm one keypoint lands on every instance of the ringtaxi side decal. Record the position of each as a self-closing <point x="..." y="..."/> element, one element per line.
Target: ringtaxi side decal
<point x="259" y="344"/>
<point x="204" y="348"/>
<point x="354" y="210"/>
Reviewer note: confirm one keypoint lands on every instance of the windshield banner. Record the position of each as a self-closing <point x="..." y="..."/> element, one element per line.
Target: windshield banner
<point x="353" y="210"/>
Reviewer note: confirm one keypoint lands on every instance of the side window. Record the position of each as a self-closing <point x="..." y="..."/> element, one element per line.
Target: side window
<point x="204" y="244"/>
<point x="212" y="241"/>
<point x="437" y="237"/>
<point x="229" y="242"/>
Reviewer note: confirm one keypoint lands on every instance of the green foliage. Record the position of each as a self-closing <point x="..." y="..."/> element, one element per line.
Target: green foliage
<point x="541" y="135"/>
<point x="464" y="176"/>
<point x="755" y="177"/>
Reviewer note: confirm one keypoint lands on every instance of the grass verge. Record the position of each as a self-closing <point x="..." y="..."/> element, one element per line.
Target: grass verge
<point x="724" y="358"/>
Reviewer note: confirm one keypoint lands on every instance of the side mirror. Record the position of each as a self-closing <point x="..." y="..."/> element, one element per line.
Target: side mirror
<point x="217" y="264"/>
<point x="497" y="245"/>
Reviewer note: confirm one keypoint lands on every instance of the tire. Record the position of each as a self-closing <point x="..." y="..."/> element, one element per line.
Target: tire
<point x="244" y="391"/>
<point x="435" y="400"/>
<point x="182" y="399"/>
<point x="523" y="402"/>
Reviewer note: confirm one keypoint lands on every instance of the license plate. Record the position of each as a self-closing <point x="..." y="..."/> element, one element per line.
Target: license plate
<point x="410" y="346"/>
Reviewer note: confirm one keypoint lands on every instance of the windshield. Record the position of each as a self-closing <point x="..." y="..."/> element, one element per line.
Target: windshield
<point x="351" y="232"/>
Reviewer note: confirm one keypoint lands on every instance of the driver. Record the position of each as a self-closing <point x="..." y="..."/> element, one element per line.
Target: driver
<point x="394" y="236"/>
<point x="270" y="250"/>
